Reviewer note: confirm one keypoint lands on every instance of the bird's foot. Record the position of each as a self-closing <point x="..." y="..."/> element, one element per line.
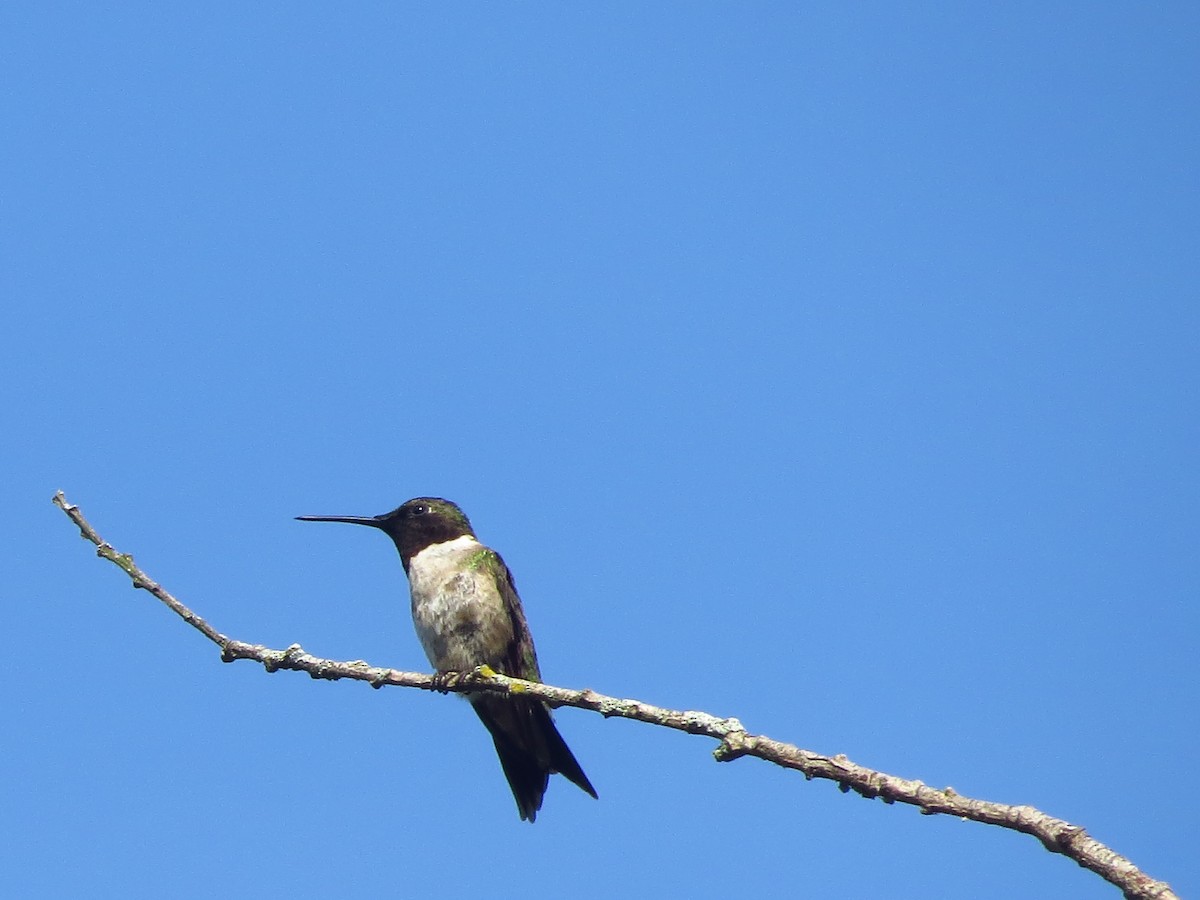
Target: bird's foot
<point x="443" y="681"/>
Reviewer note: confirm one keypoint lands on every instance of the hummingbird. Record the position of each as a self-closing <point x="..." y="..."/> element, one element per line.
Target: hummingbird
<point x="467" y="613"/>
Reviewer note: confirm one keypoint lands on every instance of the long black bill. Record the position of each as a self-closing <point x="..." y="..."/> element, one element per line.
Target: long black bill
<point x="373" y="521"/>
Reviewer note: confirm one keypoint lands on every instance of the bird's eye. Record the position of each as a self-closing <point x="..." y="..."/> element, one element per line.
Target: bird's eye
<point x="420" y="509"/>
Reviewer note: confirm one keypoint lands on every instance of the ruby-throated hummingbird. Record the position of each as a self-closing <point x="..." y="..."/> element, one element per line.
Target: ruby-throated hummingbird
<point x="467" y="613"/>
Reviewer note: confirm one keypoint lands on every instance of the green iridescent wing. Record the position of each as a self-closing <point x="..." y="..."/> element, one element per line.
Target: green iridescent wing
<point x="520" y="658"/>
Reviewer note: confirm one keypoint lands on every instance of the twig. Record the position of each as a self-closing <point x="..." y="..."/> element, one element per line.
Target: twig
<point x="1056" y="835"/>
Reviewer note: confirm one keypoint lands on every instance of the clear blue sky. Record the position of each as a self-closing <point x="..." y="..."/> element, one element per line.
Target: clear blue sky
<point x="831" y="366"/>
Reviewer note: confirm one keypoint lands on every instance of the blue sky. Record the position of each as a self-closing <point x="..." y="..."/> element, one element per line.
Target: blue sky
<point x="834" y="367"/>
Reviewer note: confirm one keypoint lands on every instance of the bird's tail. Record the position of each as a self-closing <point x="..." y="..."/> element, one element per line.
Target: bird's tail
<point x="530" y="749"/>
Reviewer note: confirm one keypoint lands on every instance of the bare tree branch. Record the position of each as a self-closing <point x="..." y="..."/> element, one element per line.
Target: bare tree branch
<point x="1056" y="835"/>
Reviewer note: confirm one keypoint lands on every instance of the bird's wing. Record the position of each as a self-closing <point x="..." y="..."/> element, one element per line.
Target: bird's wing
<point x="520" y="658"/>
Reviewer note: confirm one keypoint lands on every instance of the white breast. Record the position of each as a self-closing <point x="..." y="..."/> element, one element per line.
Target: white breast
<point x="457" y="611"/>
